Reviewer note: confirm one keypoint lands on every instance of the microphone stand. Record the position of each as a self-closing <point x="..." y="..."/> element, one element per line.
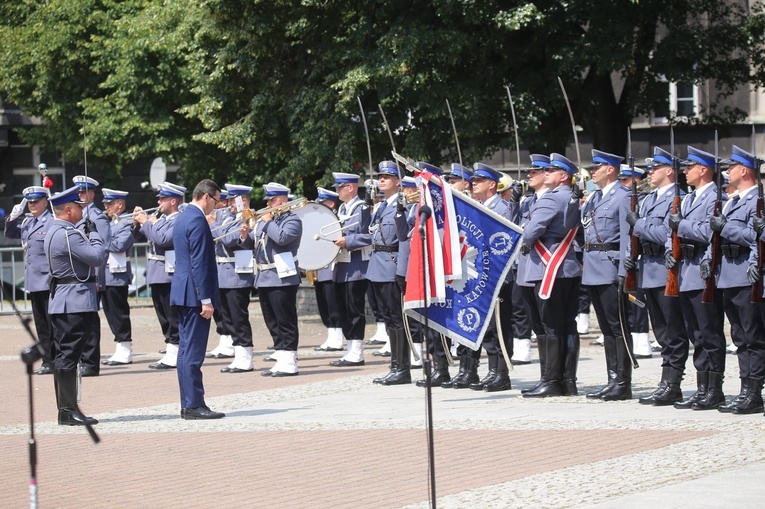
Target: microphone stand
<point x="425" y="214"/>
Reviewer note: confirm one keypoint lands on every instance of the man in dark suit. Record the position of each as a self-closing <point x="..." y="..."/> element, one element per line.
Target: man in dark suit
<point x="194" y="293"/>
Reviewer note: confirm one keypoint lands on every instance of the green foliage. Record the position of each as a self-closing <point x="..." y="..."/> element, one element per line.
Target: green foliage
<point x="252" y="91"/>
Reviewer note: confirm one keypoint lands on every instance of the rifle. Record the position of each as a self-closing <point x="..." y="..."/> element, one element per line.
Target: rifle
<point x="672" y="288"/>
<point x="630" y="279"/>
<point x="757" y="287"/>
<point x="708" y="296"/>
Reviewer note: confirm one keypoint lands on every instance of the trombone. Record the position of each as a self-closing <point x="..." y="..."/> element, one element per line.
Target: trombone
<point x="250" y="217"/>
<point x="126" y="215"/>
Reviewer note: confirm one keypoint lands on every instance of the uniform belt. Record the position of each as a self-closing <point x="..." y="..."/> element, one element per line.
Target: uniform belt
<point x="74" y="280"/>
<point x="385" y="248"/>
<point x="268" y="266"/>
<point x="152" y="256"/>
<point x="691" y="250"/>
<point x="604" y="246"/>
<point x="225" y="259"/>
<point x="652" y="249"/>
<point x="733" y="251"/>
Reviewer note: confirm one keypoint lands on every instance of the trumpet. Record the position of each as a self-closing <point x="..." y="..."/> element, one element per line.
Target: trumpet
<point x="250" y="217"/>
<point x="413" y="197"/>
<point x="127" y="215"/>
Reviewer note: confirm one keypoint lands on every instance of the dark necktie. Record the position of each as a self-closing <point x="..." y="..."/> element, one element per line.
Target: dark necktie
<point x="380" y="211"/>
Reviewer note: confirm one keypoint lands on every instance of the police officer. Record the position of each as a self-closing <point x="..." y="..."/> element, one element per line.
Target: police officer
<point x="703" y="321"/>
<point x="485" y="183"/>
<point x="351" y="266"/>
<point x="745" y="317"/>
<point x="225" y="350"/>
<point x="326" y="293"/>
<point x="528" y="299"/>
<point x="550" y="228"/>
<point x="158" y="231"/>
<point x="604" y="218"/>
<point x="74" y="256"/>
<point x="91" y="353"/>
<point x="32" y="229"/>
<point x="236" y="278"/>
<point x="651" y="227"/>
<point x="277" y="239"/>
<point x="114" y="297"/>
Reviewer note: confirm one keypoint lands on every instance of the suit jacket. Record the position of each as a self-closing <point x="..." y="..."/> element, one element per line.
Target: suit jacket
<point x="555" y="214"/>
<point x="196" y="276"/>
<point x="120" y="241"/>
<point x="72" y="255"/>
<point x="737" y="231"/>
<point x="694" y="228"/>
<point x="607" y="216"/>
<point x="653" y="227"/>
<point x="355" y="239"/>
<point x="160" y="238"/>
<point x="280" y="235"/>
<point x="32" y="234"/>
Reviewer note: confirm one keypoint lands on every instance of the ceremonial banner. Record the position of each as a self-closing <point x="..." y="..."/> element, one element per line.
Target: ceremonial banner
<point x="487" y="247"/>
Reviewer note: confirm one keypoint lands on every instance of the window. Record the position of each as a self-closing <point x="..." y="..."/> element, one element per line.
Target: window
<point x="682" y="103"/>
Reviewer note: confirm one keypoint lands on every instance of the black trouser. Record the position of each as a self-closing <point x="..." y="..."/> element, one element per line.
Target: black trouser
<point x="747" y="330"/>
<point x="91" y="347"/>
<point x="166" y="314"/>
<point x="668" y="327"/>
<point x="491" y="337"/>
<point x="373" y="304"/>
<point x="235" y="303"/>
<point x="219" y="326"/>
<point x="279" y="307"/>
<point x="326" y="301"/>
<point x="350" y="298"/>
<point x="436" y="346"/>
<point x="704" y="325"/>
<point x="415" y="329"/>
<point x="531" y="307"/>
<point x="388" y="296"/>
<point x="521" y="316"/>
<point x="605" y="300"/>
<point x="39" y="303"/>
<point x="69" y="333"/>
<point x="114" y="300"/>
<point x="638" y="317"/>
<point x="558" y="313"/>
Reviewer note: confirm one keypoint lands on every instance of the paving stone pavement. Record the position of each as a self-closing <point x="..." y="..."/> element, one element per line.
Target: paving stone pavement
<point x="330" y="438"/>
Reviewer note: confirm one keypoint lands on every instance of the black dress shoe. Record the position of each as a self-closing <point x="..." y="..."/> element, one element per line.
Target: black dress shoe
<point x="342" y="363"/>
<point x="381" y="354"/>
<point x="374" y="342"/>
<point x="88" y="371"/>
<point x="519" y="363"/>
<point x="159" y="365"/>
<point x="276" y="374"/>
<point x="110" y="362"/>
<point x="210" y="355"/>
<point x="67" y="417"/>
<point x="192" y="414"/>
<point x="236" y="370"/>
<point x="43" y="370"/>
<point x="328" y="349"/>
<point x="163" y="351"/>
<point x="641" y="356"/>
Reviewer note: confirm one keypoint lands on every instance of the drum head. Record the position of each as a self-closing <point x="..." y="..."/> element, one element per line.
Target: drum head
<point x="313" y="253"/>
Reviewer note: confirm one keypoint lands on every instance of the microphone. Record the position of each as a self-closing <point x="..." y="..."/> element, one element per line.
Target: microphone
<point x="425" y="214"/>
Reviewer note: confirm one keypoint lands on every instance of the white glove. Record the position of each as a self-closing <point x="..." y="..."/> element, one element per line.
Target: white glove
<point x="18" y="210"/>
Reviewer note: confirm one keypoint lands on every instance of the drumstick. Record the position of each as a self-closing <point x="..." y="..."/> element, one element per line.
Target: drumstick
<point x="319" y="237"/>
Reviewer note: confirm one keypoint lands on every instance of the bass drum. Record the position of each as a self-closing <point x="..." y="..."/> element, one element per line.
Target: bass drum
<point x="316" y="250"/>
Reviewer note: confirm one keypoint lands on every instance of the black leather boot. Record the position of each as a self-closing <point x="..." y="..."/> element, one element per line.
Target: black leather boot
<point x="702" y="382"/>
<point x="393" y="359"/>
<point x="471" y="373"/>
<point x="449" y="384"/>
<point x="501" y="381"/>
<point x="402" y="375"/>
<point x="671" y="393"/>
<point x="714" y="396"/>
<point x="648" y="400"/>
<point x="752" y="402"/>
<point x="439" y="375"/>
<point x="551" y="386"/>
<point x="68" y="412"/>
<point x="728" y="408"/>
<point x="570" y="364"/>
<point x="622" y="390"/>
<point x="610" y="369"/>
<point x="542" y="356"/>
<point x="490" y="375"/>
